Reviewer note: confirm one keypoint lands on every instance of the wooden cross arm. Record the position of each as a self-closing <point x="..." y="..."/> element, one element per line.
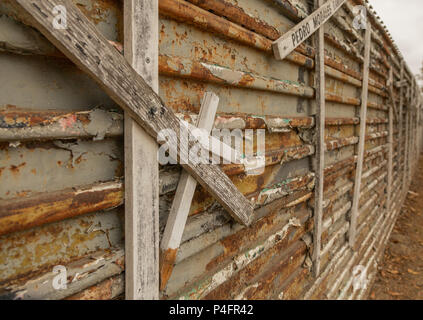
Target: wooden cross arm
<point x="88" y="49"/>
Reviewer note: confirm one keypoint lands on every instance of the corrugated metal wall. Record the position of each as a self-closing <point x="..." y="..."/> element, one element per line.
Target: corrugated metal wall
<point x="61" y="155"/>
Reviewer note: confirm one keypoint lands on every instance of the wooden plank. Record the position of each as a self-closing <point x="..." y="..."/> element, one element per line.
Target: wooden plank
<point x="415" y="132"/>
<point x="181" y="205"/>
<point x="141" y="29"/>
<point x="419" y="132"/>
<point x="320" y="143"/>
<point x="406" y="154"/>
<point x="283" y="46"/>
<point x="401" y="146"/>
<point x="217" y="148"/>
<point x="411" y="151"/>
<point x="416" y="124"/>
<point x="362" y="137"/>
<point x="410" y="139"/>
<point x="418" y="127"/>
<point x="86" y="47"/>
<point x="390" y="84"/>
<point x="390" y="148"/>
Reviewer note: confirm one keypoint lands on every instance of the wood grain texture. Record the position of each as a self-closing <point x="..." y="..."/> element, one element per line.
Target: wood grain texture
<point x="86" y="47"/>
<point x="141" y="42"/>
<point x="390" y="84"/>
<point x="181" y="205"/>
<point x="283" y="46"/>
<point x="407" y="148"/>
<point x="362" y="137"/>
<point x="320" y="144"/>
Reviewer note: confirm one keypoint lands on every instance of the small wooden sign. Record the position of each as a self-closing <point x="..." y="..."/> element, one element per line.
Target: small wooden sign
<point x="302" y="31"/>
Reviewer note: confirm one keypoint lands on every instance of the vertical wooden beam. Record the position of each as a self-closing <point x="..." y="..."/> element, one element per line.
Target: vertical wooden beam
<point x="82" y="43"/>
<point x="320" y="142"/>
<point x="181" y="205"/>
<point x="401" y="145"/>
<point x="287" y="43"/>
<point x="405" y="176"/>
<point x="415" y="137"/>
<point x="411" y="153"/>
<point x="412" y="129"/>
<point x="390" y="144"/>
<point x="141" y="27"/>
<point x="362" y="137"/>
<point x="418" y="132"/>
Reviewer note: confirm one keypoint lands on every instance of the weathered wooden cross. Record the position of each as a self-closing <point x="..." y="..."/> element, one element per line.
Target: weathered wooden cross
<point x="83" y="44"/>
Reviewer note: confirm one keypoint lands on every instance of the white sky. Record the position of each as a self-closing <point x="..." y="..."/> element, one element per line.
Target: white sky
<point x="404" y="19"/>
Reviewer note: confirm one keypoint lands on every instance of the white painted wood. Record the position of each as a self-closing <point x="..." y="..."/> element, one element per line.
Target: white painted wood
<point x="283" y="46"/>
<point x="362" y="137"/>
<point x="215" y="146"/>
<point x="181" y="205"/>
<point x="401" y="146"/>
<point x="320" y="143"/>
<point x="141" y="19"/>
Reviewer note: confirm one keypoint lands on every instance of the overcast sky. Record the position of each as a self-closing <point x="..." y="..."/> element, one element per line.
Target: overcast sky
<point x="404" y="19"/>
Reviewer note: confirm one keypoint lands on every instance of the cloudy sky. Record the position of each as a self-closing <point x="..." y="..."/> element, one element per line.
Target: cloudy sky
<point x="404" y="19"/>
